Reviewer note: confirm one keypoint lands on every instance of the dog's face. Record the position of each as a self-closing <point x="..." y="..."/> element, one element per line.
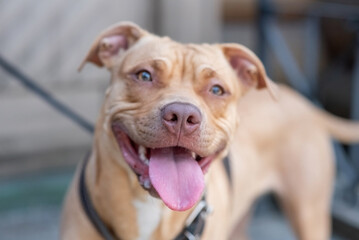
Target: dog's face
<point x="171" y="107"/>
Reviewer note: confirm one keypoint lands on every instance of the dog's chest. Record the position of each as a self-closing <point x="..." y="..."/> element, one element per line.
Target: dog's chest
<point x="148" y="216"/>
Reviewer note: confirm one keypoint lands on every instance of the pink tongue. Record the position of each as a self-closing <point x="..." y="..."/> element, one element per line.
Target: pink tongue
<point x="177" y="177"/>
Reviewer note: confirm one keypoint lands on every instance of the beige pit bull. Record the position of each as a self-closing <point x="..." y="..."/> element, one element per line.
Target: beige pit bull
<point x="171" y="114"/>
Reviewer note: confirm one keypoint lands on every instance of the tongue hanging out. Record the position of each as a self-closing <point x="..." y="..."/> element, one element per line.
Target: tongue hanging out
<point x="176" y="176"/>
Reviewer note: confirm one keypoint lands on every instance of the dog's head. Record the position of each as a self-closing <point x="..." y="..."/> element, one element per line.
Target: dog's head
<point x="171" y="109"/>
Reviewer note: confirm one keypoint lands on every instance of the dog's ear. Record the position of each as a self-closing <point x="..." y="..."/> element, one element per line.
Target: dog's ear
<point x="111" y="42"/>
<point x="248" y="67"/>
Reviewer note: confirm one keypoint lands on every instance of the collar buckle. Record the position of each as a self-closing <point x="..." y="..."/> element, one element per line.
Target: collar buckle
<point x="194" y="224"/>
<point x="190" y="236"/>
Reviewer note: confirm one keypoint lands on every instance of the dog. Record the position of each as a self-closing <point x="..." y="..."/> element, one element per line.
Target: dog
<point x="172" y="113"/>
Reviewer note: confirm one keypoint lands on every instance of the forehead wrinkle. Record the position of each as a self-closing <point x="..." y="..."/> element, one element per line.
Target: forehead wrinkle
<point x="164" y="60"/>
<point x="162" y="63"/>
<point x="173" y="63"/>
<point x="205" y="67"/>
<point x="190" y="60"/>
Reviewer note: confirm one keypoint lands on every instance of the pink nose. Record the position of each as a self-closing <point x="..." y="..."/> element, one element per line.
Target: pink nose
<point x="181" y="118"/>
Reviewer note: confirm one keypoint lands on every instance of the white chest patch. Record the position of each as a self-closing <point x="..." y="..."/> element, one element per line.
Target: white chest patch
<point x="148" y="216"/>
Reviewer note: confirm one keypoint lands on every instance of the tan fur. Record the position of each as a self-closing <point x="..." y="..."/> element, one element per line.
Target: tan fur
<point x="278" y="145"/>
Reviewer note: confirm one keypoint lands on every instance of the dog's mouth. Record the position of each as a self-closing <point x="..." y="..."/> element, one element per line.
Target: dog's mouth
<point x="173" y="173"/>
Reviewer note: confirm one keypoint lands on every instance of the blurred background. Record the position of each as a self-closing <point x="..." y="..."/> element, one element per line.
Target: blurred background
<point x="311" y="45"/>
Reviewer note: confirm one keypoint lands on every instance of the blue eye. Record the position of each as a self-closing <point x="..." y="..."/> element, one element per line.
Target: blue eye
<point x="217" y="90"/>
<point x="144" y="76"/>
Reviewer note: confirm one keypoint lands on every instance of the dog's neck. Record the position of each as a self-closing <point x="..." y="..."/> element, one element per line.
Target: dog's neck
<point x="129" y="211"/>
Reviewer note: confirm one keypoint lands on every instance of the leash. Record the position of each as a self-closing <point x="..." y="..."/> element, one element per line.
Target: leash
<point x="194" y="224"/>
<point x="46" y="96"/>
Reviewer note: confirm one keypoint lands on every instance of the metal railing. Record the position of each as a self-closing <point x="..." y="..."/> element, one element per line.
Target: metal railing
<point x="271" y="38"/>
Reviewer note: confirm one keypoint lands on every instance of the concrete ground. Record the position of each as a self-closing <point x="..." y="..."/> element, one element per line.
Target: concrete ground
<point x="30" y="209"/>
<point x="42" y="223"/>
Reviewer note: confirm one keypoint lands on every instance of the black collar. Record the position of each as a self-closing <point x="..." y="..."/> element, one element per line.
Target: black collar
<point x="194" y="224"/>
<point x="227" y="167"/>
<point x="90" y="209"/>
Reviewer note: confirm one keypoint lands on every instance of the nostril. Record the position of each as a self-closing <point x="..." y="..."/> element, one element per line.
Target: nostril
<point x="173" y="118"/>
<point x="192" y="120"/>
<point x="170" y="117"/>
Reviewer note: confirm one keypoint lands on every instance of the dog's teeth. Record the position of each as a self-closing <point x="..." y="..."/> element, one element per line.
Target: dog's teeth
<point x="141" y="150"/>
<point x="142" y="154"/>
<point x="147" y="184"/>
<point x="194" y="155"/>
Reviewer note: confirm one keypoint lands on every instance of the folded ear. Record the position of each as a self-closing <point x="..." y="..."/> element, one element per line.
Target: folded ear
<point x="109" y="44"/>
<point x="249" y="69"/>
